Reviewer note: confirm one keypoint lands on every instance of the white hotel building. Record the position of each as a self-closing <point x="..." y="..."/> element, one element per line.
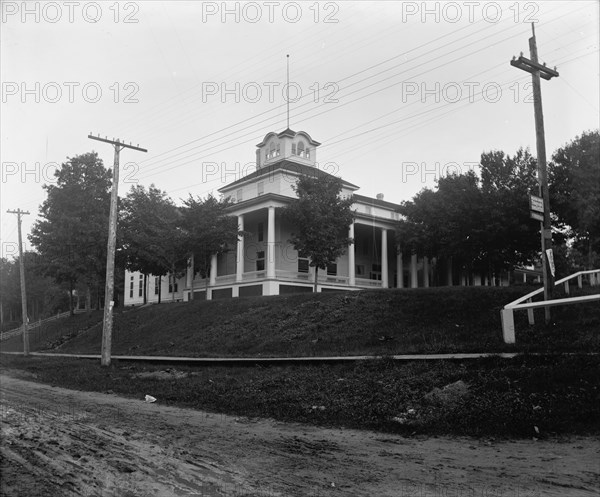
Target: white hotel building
<point x="265" y="263"/>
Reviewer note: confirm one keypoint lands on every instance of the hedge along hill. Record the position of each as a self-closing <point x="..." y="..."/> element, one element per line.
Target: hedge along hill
<point x="378" y="322"/>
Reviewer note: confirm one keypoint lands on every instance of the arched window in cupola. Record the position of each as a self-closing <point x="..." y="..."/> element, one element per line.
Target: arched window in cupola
<point x="272" y="150"/>
<point x="301" y="149"/>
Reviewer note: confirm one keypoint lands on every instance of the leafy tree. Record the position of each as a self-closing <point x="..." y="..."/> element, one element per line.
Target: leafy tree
<point x="484" y="225"/>
<point x="321" y="218"/>
<point x="72" y="232"/>
<point x="151" y="237"/>
<point x="446" y="222"/>
<point x="44" y="296"/>
<point x="512" y="237"/>
<point x="209" y="231"/>
<point x="574" y="181"/>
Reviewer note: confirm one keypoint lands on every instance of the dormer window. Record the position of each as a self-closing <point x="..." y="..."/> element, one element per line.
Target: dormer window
<point x="307" y="155"/>
<point x="301" y="149"/>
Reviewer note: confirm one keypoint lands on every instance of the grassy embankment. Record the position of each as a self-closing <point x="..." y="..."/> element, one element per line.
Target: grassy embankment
<point x="376" y="322"/>
<point x="492" y="397"/>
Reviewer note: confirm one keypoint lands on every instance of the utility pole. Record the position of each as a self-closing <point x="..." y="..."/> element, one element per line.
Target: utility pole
<point x="111" y="247"/>
<point x="20" y="213"/>
<point x="540" y="71"/>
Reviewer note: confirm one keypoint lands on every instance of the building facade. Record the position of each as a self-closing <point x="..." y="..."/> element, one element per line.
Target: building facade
<point x="265" y="263"/>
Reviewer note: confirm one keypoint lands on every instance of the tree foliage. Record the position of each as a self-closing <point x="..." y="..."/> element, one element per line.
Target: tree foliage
<point x="44" y="296"/>
<point x="209" y="229"/>
<point x="574" y="177"/>
<point x="71" y="234"/>
<point x="321" y="219"/>
<point x="483" y="224"/>
<point x="151" y="236"/>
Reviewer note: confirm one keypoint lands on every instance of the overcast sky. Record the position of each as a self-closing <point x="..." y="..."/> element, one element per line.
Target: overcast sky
<point x="397" y="92"/>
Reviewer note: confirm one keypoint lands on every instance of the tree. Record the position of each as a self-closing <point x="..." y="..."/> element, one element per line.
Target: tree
<point x="574" y="177"/>
<point x="446" y="222"/>
<point x="209" y="231"/>
<point x="72" y="232"/>
<point x="44" y="296"/>
<point x="484" y="225"/>
<point x="152" y="239"/>
<point x="321" y="218"/>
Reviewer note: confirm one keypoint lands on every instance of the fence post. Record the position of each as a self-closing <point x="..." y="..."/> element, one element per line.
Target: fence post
<point x="508" y="325"/>
<point x="530" y="315"/>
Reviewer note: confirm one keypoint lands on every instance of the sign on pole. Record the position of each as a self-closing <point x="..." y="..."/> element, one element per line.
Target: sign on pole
<point x="536" y="204"/>
<point x="536" y="215"/>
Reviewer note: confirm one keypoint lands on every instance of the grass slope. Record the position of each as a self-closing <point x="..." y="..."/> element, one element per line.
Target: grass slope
<point x="523" y="397"/>
<point x="378" y="322"/>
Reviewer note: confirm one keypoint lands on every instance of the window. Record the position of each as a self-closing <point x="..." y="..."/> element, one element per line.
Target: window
<point x="172" y="288"/>
<point x="360" y="270"/>
<point x="303" y="265"/>
<point x="261" y="187"/>
<point x="307" y="154"/>
<point x="141" y="286"/>
<point x="301" y="149"/>
<point x="239" y="195"/>
<point x="131" y="288"/>
<point x="332" y="269"/>
<point x="376" y="272"/>
<point x="260" y="260"/>
<point x="156" y="285"/>
<point x="261" y="232"/>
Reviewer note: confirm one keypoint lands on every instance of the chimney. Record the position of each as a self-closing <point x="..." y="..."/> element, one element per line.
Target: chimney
<point x="379" y="196"/>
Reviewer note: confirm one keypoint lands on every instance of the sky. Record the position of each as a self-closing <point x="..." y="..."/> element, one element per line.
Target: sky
<point x="397" y="93"/>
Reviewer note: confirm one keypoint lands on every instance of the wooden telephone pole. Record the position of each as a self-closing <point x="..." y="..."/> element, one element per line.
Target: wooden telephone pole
<point x="110" y="252"/>
<point x="538" y="71"/>
<point x="20" y="213"/>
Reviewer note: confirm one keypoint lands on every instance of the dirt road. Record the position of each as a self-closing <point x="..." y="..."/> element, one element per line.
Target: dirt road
<point x="58" y="442"/>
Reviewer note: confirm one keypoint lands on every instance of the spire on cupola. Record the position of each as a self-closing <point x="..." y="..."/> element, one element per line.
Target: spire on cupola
<point x="288" y="144"/>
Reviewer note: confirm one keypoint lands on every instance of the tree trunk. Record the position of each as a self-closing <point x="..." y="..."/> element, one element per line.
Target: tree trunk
<point x="88" y="299"/>
<point x="172" y="276"/>
<point x="316" y="279"/>
<point x="159" y="287"/>
<point x="71" y="311"/>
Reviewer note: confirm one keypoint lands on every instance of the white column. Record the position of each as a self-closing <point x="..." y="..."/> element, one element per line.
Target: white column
<point x="351" y="259"/>
<point x="426" y="272"/>
<point x="190" y="273"/>
<point x="271" y="244"/>
<point x="384" y="259"/>
<point x="414" y="281"/>
<point x="213" y="270"/>
<point x="190" y="277"/>
<point x="399" y="269"/>
<point x="239" y="263"/>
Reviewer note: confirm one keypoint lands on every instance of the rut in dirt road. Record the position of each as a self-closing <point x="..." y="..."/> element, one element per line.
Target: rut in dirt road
<point x="63" y="442"/>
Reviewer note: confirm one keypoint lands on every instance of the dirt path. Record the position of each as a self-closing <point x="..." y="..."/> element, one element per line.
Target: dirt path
<point x="62" y="442"/>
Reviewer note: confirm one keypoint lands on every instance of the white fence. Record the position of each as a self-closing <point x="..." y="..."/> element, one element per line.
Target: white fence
<point x="18" y="331"/>
<point x="526" y="302"/>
